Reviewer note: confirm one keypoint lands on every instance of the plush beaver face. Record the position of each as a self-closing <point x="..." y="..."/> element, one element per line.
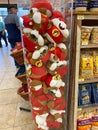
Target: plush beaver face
<point x="33" y="38"/>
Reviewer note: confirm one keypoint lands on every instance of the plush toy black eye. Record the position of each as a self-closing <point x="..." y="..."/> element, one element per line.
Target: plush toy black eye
<point x="60" y="26"/>
<point x="34" y="38"/>
<point x="31" y="11"/>
<point x="44" y="51"/>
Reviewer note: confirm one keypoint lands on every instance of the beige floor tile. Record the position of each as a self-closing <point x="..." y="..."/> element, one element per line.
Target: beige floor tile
<point x="10" y="83"/>
<point x="9" y="96"/>
<point x="25" y="127"/>
<point x="8" y="129"/>
<point x="10" y="75"/>
<point x="7" y="115"/>
<point x="2" y="73"/>
<point x="23" y="117"/>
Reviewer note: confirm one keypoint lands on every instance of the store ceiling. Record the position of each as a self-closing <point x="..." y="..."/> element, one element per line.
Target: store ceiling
<point x="8" y="1"/>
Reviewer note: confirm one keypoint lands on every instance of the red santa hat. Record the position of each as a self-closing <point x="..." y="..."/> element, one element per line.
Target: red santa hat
<point x="61" y="25"/>
<point x="28" y="44"/>
<point x="38" y="72"/>
<point x="54" y="35"/>
<point x="57" y="14"/>
<point x="27" y="22"/>
<point x="43" y="4"/>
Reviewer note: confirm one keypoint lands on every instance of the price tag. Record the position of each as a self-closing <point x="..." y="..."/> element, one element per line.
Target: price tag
<point x="81" y="79"/>
<point x="80" y="17"/>
<point x="85" y="42"/>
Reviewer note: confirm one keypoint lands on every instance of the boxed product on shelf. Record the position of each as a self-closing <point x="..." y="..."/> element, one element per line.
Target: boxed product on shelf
<point x="85" y="35"/>
<point x="84" y="95"/>
<point x="95" y="55"/>
<point x="95" y="119"/>
<point x="86" y="66"/>
<point x="94" y="35"/>
<point x="93" y="6"/>
<point x="81" y="5"/>
<point x="84" y="121"/>
<point x="94" y="93"/>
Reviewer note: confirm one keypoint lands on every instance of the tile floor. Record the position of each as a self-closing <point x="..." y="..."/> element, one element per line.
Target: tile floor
<point x="11" y="118"/>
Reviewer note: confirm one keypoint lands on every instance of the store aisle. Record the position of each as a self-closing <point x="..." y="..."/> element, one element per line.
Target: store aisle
<point x="11" y="118"/>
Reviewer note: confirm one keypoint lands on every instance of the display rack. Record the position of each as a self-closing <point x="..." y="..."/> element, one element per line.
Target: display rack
<point x="79" y="19"/>
<point x="46" y="52"/>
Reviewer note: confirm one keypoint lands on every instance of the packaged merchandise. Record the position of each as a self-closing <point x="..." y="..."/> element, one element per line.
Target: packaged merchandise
<point x="94" y="35"/>
<point x="45" y="39"/>
<point x="86" y="66"/>
<point x="84" y="95"/>
<point x="95" y="119"/>
<point x="81" y="5"/>
<point x="85" y="35"/>
<point x="95" y="55"/>
<point x="84" y="121"/>
<point x="94" y="93"/>
<point x="93" y="6"/>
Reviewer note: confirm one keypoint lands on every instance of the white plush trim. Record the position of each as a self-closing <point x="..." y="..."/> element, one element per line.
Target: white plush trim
<point x="53" y="66"/>
<point x="59" y="120"/>
<point x="38" y="87"/>
<point x="56" y="22"/>
<point x="36" y="54"/>
<point x="40" y="40"/>
<point x="35" y="32"/>
<point x="53" y="111"/>
<point x="57" y="83"/>
<point x="37" y="17"/>
<point x="43" y="48"/>
<point x="65" y="33"/>
<point x="41" y="121"/>
<point x="27" y="30"/>
<point x="50" y="39"/>
<point x="38" y="36"/>
<point x="36" y="108"/>
<point x="62" y="63"/>
<point x="62" y="46"/>
<point x="56" y="92"/>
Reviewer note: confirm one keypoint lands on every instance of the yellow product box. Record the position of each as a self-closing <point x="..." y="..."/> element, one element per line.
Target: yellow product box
<point x="86" y="66"/>
<point x="96" y="66"/>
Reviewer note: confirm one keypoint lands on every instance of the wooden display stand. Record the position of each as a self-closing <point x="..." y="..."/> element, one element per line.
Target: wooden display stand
<point x="79" y="19"/>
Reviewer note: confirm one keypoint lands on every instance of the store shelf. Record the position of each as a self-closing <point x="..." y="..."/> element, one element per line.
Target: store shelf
<point x="93" y="80"/>
<point x="88" y="106"/>
<point x="90" y="45"/>
<point x="85" y="13"/>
